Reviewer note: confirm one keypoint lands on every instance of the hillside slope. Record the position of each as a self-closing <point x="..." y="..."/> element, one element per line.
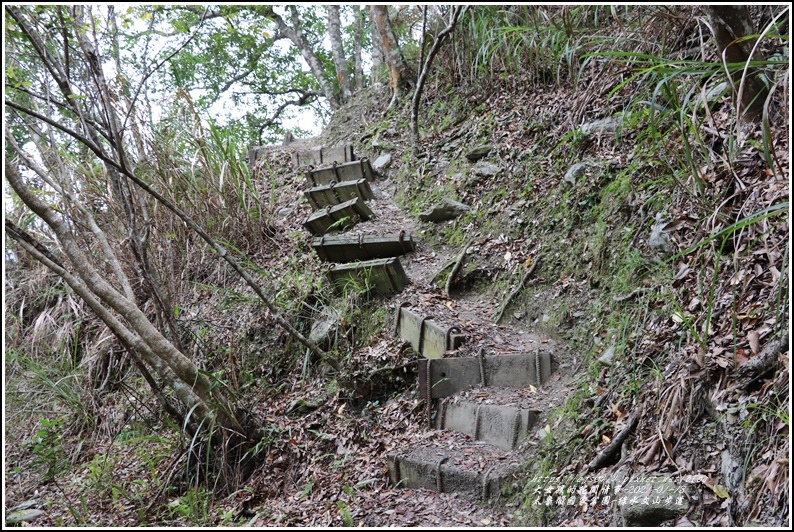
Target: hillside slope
<point x="655" y="255"/>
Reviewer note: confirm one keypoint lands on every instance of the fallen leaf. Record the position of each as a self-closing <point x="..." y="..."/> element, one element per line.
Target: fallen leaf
<point x="721" y="491"/>
<point x="752" y="337"/>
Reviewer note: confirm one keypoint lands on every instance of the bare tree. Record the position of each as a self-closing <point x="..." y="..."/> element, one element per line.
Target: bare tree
<point x="77" y="121"/>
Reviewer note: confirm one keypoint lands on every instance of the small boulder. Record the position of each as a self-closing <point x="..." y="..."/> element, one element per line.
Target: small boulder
<point x="23" y="516"/>
<point x="381" y="163"/>
<point x="609" y="354"/>
<point x="602" y="126"/>
<point x="660" y="239"/>
<point x="485" y="169"/>
<point x="325" y="328"/>
<point x="649" y="501"/>
<point x="575" y="172"/>
<point x="446" y="210"/>
<point x="478" y="153"/>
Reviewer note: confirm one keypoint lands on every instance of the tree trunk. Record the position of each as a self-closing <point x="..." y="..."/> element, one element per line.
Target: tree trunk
<point x="338" y="52"/>
<point x="398" y="73"/>
<point x="358" y="37"/>
<point x="193" y="388"/>
<point x="731" y="24"/>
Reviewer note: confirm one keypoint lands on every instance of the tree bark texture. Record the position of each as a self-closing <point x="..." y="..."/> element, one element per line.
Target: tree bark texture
<point x="338" y="52"/>
<point x="393" y="57"/>
<point x="358" y="37"/>
<point x="731" y="24"/>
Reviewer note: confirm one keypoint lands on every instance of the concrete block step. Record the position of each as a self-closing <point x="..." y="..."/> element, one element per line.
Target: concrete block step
<point x="447" y="376"/>
<point x="503" y="426"/>
<point x="336" y="193"/>
<point x="341" y="216"/>
<point x="344" y="248"/>
<point x="377" y="276"/>
<point x="426" y="336"/>
<point x="323" y="156"/>
<point x="476" y="470"/>
<point x="336" y="173"/>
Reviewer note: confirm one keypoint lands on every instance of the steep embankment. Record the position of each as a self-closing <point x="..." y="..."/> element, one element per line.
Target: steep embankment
<point x="587" y="198"/>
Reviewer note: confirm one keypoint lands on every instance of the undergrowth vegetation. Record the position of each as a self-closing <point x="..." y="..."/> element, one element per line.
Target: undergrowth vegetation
<point x="663" y="262"/>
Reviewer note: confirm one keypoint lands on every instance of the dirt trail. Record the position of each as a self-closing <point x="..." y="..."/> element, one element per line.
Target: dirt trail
<point x="473" y="314"/>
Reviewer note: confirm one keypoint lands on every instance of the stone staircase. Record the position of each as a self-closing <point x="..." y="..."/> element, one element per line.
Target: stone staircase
<point x="469" y="396"/>
<point x="338" y="191"/>
<point x="479" y="402"/>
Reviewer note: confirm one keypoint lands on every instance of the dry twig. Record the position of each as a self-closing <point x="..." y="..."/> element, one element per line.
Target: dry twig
<point x="608" y="453"/>
<point x="515" y="292"/>
<point x="456" y="268"/>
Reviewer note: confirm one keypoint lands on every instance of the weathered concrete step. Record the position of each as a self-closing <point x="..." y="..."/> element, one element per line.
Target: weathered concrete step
<point x="377" y="276"/>
<point x="503" y="426"/>
<point x="344" y="248"/>
<point x="341" y="216"/>
<point x="447" y="376"/>
<point x="322" y="156"/>
<point x="336" y="173"/>
<point x="476" y="470"/>
<point x="336" y="193"/>
<point x="426" y="336"/>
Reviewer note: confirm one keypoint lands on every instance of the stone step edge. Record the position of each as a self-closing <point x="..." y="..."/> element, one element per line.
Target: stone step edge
<point x="345" y="248"/>
<point x="442" y="377"/>
<point x="336" y="173"/>
<point x="499" y="425"/>
<point x="412" y="472"/>
<point x="426" y="336"/>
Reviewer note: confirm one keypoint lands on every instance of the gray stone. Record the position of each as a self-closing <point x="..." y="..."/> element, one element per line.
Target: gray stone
<point x="446" y="210"/>
<point x="284" y="212"/>
<point x="731" y="471"/>
<point x="575" y="172"/>
<point x="650" y="500"/>
<point x="381" y="162"/>
<point x="20" y="516"/>
<point x="602" y="126"/>
<point x="325" y="328"/>
<point x="717" y="91"/>
<point x="608" y="355"/>
<point x="659" y="239"/>
<point x="479" y="152"/>
<point x="485" y="169"/>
